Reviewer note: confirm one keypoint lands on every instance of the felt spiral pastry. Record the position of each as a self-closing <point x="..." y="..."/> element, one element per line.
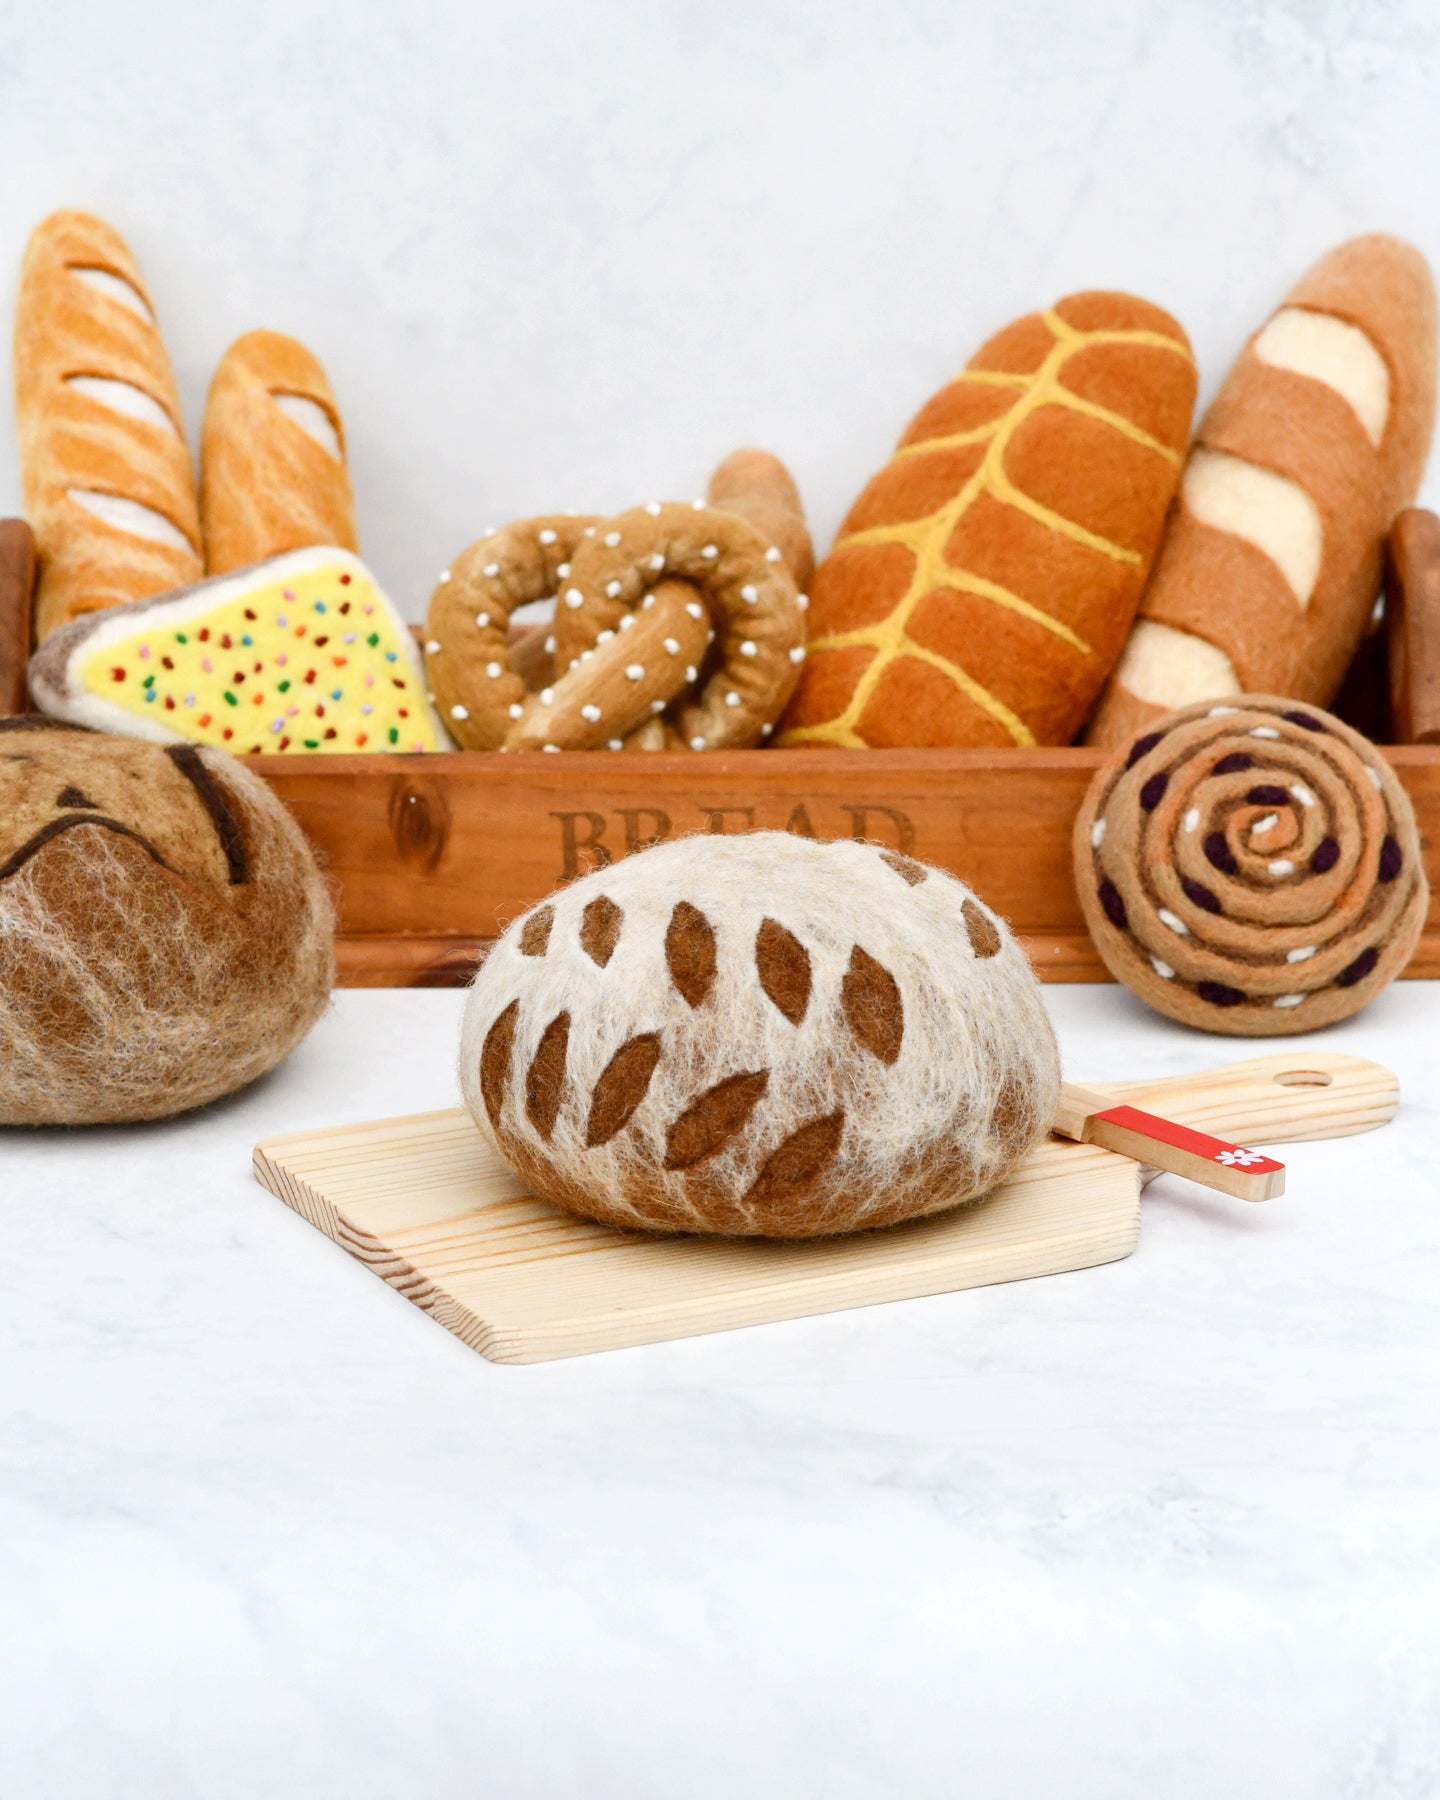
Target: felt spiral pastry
<point x="759" y="1035"/>
<point x="1252" y="868"/>
<point x="658" y="605"/>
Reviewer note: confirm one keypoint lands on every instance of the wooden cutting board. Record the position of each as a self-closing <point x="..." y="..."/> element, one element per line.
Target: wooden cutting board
<point x="426" y="1204"/>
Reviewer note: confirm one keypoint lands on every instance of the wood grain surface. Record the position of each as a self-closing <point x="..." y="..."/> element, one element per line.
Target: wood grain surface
<point x="17" y="589"/>
<point x="426" y="1204"/>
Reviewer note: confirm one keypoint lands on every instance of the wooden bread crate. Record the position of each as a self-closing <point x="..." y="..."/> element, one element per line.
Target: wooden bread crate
<point x="433" y="855"/>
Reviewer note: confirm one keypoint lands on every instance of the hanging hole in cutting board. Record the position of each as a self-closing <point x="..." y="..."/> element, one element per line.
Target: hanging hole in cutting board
<point x="1303" y="1078"/>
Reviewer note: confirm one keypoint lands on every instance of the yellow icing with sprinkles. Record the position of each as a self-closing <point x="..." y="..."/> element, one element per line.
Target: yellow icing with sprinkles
<point x="309" y="659"/>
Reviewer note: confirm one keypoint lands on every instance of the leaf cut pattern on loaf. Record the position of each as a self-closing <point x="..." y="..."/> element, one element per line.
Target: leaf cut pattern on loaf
<point x="495" y="1061"/>
<point x="600" y="929"/>
<point x="874" y="1011"/>
<point x="783" y="965"/>
<point x="953" y="474"/>
<point x="545" y="1078"/>
<point x="623" y="1084"/>
<point x="710" y="1122"/>
<point x="690" y="952"/>
<point x="535" y="932"/>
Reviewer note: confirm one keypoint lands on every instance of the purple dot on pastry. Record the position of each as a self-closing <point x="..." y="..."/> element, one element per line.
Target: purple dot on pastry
<point x="1142" y="747"/>
<point x="1268" y="796"/>
<point x="1153" y="791"/>
<point x="1233" y="764"/>
<point x="1359" y="969"/>
<point x="1303" y="720"/>
<point x="1114" y="906"/>
<point x="1327" y="854"/>
<point x="1390" y="859"/>
<point x="1218" y="853"/>
<point x="1199" y="895"/>
<point x="1218" y="994"/>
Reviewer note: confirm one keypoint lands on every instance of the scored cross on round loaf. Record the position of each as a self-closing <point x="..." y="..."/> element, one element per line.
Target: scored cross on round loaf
<point x="759" y="1035"/>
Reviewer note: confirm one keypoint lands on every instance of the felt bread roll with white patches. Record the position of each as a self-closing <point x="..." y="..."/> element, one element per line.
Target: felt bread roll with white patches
<point x="273" y="475"/>
<point x="1272" y="559"/>
<point x="105" y="472"/>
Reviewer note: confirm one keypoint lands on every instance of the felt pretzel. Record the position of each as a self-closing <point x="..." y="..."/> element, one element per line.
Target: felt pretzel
<point x="660" y="605"/>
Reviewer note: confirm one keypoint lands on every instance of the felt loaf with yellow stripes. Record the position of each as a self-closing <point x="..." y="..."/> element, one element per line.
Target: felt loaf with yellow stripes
<point x="984" y="582"/>
<point x="1317" y="439"/>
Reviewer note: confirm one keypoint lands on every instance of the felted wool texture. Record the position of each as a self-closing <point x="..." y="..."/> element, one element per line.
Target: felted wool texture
<point x="273" y="475"/>
<point x="1281" y="445"/>
<point x="983" y="583"/>
<point x="109" y="491"/>
<point x="759" y="1035"/>
<point x="301" y="654"/>
<point x="165" y="935"/>
<point x="1252" y="868"/>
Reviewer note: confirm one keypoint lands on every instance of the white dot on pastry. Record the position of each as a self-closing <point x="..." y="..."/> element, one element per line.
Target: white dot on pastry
<point x="605" y="636"/>
<point x="433" y="647"/>
<point x="1265" y="731"/>
<point x="699" y="505"/>
<point x="1303" y="954"/>
<point x="1097" y="833"/>
<point x="1373" y="773"/>
<point x="635" y="671"/>
<point x="710" y="551"/>
<point x="1288" y="1000"/>
<point x="482" y="620"/>
<point x="590" y="712"/>
<point x="1191" y="819"/>
<point x="612" y="588"/>
<point x="1302" y="793"/>
<point x="695" y="609"/>
<point x="515" y="709"/>
<point x="574" y="598"/>
<point x="550" y="645"/>
<point x="615" y="744"/>
<point x="672" y="646"/>
<point x="547" y="696"/>
<point x="612" y="538"/>
<point x="690" y="672"/>
<point x="491" y="569"/>
<point x="697" y="743"/>
<point x="749" y="593"/>
<point x="589" y="531"/>
<point x="797" y="655"/>
<point x="549" y="746"/>
<point x="547" y="536"/>
<point x="772" y="554"/>
<point x="747" y="648"/>
<point x="627" y="622"/>
<point x="765" y="730"/>
<point x="459" y="712"/>
<point x="444" y="576"/>
<point x="802" y="601"/>
<point x="657" y="561"/>
<point x="1219" y="712"/>
<point x="561" y="571"/>
<point x="1268" y="823"/>
<point x="492" y="669"/>
<point x="1162" y="969"/>
<point x="653" y="508"/>
<point x="1281" y="866"/>
<point x="1166" y="917"/>
<point x="732" y="698"/>
<point x="657" y="706"/>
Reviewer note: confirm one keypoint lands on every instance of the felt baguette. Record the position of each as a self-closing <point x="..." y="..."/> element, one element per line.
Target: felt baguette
<point x="105" y="472"/>
<point x="983" y="583"/>
<point x="273" y="475"/>
<point x="1318" y="437"/>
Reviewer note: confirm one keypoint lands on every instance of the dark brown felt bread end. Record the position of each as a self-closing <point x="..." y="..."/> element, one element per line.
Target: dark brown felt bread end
<point x="1250" y="867"/>
<point x="984" y="581"/>
<point x="165" y="935"/>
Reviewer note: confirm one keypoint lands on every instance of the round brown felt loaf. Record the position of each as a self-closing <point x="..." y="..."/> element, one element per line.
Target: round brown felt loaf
<point x="165" y="935"/>
<point x="1251" y="867"/>
<point x="759" y="1035"/>
<point x="984" y="581"/>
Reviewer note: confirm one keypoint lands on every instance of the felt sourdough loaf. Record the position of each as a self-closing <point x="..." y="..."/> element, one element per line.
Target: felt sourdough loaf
<point x="1251" y="867"/>
<point x="165" y="936"/>
<point x="983" y="583"/>
<point x="1318" y="438"/>
<point x="273" y="475"/>
<point x="104" y="468"/>
<point x="759" y="1035"/>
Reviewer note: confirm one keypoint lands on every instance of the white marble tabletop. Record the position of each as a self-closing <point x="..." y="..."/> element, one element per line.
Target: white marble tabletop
<point x="1169" y="1527"/>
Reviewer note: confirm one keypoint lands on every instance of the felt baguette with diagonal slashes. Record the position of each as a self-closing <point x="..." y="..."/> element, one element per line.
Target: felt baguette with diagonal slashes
<point x="1317" y="439"/>
<point x="983" y="583"/>
<point x="106" y="476"/>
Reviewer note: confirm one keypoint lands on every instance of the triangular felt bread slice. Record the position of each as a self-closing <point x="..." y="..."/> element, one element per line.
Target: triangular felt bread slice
<point x="303" y="652"/>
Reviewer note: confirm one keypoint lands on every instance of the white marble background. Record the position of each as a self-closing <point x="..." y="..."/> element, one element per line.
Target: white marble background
<point x="565" y="256"/>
